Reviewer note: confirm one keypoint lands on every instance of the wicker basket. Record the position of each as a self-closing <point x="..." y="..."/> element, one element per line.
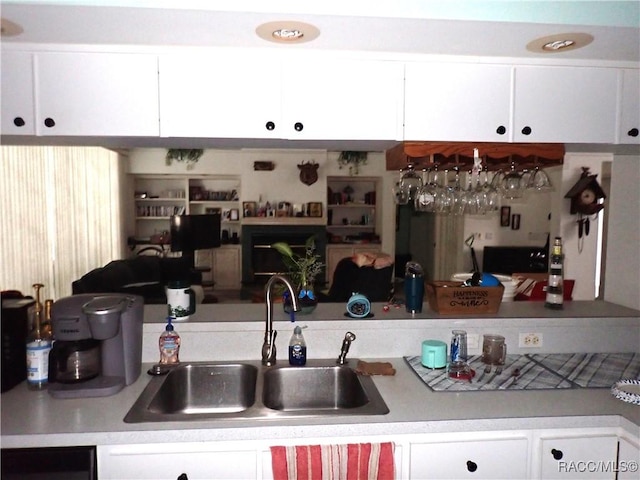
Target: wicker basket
<point x="451" y="298"/>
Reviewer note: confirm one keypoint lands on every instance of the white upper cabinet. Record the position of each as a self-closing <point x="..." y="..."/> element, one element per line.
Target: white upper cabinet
<point x="565" y="104"/>
<point x="212" y="97"/>
<point x="629" y="131"/>
<point x="249" y="97"/>
<point x="96" y="94"/>
<point x="457" y="102"/>
<point x="17" y="93"/>
<point x="343" y="100"/>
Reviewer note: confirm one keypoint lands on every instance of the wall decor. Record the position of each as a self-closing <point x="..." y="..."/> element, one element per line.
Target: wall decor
<point x="515" y="221"/>
<point x="352" y="160"/>
<point x="505" y="216"/>
<point x="234" y="215"/>
<point x="189" y="156"/>
<point x="308" y="172"/>
<point x="263" y="166"/>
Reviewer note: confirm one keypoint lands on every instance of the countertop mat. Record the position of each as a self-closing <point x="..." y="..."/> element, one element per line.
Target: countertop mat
<point x="538" y="372"/>
<point x="592" y="370"/>
<point x="532" y="376"/>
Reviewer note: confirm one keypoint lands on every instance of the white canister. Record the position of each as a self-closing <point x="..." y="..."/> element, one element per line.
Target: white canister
<point x="181" y="300"/>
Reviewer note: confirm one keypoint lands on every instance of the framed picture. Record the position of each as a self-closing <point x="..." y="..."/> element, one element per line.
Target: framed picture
<point x="515" y="221"/>
<point x="249" y="209"/>
<point x="315" y="209"/>
<point x="234" y="215"/>
<point x="505" y="216"/>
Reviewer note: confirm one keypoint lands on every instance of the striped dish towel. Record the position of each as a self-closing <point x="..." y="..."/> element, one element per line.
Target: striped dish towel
<point x="362" y="461"/>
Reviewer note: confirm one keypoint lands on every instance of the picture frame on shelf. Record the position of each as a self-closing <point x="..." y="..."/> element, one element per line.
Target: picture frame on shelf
<point x="315" y="209"/>
<point x="234" y="215"/>
<point x="515" y="221"/>
<point x="505" y="216"/>
<point x="249" y="209"/>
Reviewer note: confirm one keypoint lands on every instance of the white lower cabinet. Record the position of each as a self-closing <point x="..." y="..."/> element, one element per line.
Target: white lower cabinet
<point x="482" y="459"/>
<point x="183" y="461"/>
<point x="584" y="456"/>
<point x="628" y="460"/>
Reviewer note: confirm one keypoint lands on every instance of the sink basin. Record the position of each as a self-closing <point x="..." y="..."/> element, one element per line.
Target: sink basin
<point x="313" y="388"/>
<point x="196" y="391"/>
<point x="248" y="390"/>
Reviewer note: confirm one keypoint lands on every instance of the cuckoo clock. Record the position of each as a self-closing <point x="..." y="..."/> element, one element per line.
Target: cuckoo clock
<point x="586" y="195"/>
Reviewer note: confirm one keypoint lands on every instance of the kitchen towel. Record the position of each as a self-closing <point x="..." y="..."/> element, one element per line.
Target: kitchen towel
<point x="356" y="461"/>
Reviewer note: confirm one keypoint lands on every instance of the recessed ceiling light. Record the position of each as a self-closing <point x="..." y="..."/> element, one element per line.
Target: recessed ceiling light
<point x="561" y="42"/>
<point x="9" y="29"/>
<point x="287" y="32"/>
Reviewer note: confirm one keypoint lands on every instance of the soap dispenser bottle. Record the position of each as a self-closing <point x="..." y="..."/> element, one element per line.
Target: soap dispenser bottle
<point x="169" y="344"/>
<point x="297" y="348"/>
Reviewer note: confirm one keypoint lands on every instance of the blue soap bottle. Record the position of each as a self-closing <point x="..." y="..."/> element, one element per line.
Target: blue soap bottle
<point x="297" y="348"/>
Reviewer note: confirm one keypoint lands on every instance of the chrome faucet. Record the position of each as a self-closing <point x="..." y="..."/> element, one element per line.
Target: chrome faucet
<point x="269" y="345"/>
<point x="346" y="343"/>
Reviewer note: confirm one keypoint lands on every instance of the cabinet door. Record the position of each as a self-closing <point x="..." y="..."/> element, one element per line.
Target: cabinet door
<point x="587" y="457"/>
<point x="162" y="462"/>
<point x="629" y="131"/>
<point x="343" y="100"/>
<point x="219" y="97"/>
<point x="477" y="459"/>
<point x="17" y="93"/>
<point x="565" y="104"/>
<point x="457" y="102"/>
<point x="101" y="94"/>
<point x="227" y="268"/>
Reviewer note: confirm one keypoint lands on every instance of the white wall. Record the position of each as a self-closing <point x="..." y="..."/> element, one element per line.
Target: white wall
<point x="622" y="277"/>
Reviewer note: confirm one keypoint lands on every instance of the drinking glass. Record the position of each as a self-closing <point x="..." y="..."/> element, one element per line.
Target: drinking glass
<point x="512" y="183"/>
<point x="539" y="181"/>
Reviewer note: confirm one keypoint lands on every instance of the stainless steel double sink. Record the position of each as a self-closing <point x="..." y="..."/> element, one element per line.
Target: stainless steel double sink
<point x="243" y="390"/>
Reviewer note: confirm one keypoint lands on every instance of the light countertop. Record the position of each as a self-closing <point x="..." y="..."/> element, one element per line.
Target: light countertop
<point x="233" y="333"/>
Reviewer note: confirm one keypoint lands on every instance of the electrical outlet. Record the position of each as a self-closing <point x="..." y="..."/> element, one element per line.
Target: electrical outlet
<point x="473" y="341"/>
<point x="530" y="340"/>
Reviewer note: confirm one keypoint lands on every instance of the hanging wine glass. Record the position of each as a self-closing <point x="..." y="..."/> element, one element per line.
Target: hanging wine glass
<point x="400" y="195"/>
<point x="459" y="195"/>
<point x="512" y="183"/>
<point x="423" y="197"/>
<point x="444" y="198"/>
<point x="492" y="193"/>
<point x="406" y="188"/>
<point x="539" y="181"/>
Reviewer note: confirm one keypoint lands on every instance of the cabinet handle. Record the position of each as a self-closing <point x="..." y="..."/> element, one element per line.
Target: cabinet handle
<point x="557" y="454"/>
<point x="298" y="127"/>
<point x="183" y="476"/>
<point x="633" y="132"/>
<point x="501" y="130"/>
<point x="49" y="122"/>
<point x="526" y="131"/>
<point x="270" y="126"/>
<point x="472" y="466"/>
<point x="19" y="122"/>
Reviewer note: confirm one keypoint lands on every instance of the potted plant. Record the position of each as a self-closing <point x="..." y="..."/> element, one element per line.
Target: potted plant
<point x="303" y="270"/>
<point x="353" y="160"/>
<point x="190" y="156"/>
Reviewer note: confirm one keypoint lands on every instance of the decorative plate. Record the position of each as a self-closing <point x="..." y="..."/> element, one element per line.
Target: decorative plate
<point x="627" y="390"/>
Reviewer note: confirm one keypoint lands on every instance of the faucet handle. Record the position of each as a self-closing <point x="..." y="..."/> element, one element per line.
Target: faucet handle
<point x="346" y="343"/>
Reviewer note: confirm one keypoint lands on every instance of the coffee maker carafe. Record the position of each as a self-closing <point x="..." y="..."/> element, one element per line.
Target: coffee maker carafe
<point x="98" y="344"/>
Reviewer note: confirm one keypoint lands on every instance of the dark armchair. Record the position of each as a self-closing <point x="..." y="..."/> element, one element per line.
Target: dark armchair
<point x="143" y="275"/>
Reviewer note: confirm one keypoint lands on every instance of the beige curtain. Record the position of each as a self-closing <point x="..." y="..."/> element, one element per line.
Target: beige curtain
<point x="61" y="215"/>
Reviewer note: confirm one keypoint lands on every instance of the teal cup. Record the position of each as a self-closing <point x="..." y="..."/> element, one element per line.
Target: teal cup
<point x="434" y="354"/>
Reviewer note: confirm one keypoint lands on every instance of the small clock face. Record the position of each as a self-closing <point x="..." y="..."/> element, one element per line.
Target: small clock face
<point x="587" y="196"/>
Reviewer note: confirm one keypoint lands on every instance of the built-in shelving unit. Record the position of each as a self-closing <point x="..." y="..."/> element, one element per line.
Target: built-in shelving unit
<point x="351" y="209"/>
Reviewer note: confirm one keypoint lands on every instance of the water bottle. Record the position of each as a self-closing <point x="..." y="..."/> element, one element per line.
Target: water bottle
<point x="413" y="287"/>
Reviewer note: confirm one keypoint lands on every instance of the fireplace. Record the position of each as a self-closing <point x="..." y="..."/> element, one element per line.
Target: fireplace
<point x="260" y="261"/>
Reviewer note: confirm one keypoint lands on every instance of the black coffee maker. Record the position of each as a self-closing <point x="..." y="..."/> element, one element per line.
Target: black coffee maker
<point x="98" y="344"/>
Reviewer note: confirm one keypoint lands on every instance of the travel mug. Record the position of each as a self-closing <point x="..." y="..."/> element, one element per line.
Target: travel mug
<point x="413" y="287"/>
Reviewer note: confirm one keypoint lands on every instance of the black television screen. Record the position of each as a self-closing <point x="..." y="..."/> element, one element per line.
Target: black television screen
<point x="195" y="232"/>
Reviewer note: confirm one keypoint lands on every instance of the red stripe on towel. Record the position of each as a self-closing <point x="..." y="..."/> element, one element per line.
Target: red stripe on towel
<point x="363" y="461"/>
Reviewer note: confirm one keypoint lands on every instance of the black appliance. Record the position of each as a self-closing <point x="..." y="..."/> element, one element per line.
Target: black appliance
<point x="51" y="463"/>
<point x="509" y="260"/>
<point x="15" y="328"/>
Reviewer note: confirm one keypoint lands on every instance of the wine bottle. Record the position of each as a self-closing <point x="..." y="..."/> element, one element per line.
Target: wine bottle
<point x="555" y="295"/>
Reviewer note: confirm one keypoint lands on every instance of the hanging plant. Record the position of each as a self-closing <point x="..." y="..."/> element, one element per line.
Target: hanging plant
<point x="190" y="156"/>
<point x="352" y="160"/>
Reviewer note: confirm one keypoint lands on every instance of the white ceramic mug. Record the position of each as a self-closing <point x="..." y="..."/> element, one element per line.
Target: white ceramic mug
<point x="181" y="300"/>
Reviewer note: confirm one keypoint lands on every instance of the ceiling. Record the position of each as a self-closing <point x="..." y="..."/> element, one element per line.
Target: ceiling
<point x="388" y="27"/>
